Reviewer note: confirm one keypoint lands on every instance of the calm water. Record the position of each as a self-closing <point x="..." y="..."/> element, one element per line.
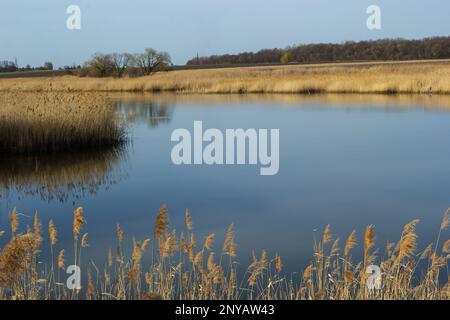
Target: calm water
<point x="348" y="162"/>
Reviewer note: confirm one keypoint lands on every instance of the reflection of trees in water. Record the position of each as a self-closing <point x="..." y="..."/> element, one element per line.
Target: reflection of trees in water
<point x="151" y="112"/>
<point x="61" y="175"/>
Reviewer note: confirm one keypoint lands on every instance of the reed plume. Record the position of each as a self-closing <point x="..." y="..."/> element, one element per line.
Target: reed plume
<point x="350" y="243"/>
<point x="14" y="221"/>
<point x="326" y="234"/>
<point x="278" y="263"/>
<point x="369" y="241"/>
<point x="78" y="222"/>
<point x="119" y="233"/>
<point x="209" y="241"/>
<point x="60" y="260"/>
<point x="188" y="220"/>
<point x="84" y="240"/>
<point x="52" y="233"/>
<point x="162" y="222"/>
<point x="229" y="245"/>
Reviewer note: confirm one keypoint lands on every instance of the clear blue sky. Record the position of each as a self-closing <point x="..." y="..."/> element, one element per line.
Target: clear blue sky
<point x="35" y="31"/>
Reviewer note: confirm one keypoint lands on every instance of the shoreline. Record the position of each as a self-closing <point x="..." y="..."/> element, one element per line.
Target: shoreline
<point x="424" y="78"/>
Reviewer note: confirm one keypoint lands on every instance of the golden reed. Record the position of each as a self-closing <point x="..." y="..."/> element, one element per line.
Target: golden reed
<point x="181" y="269"/>
<point x="426" y="77"/>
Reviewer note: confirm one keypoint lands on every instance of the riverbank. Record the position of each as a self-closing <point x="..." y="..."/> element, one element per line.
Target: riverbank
<point x="428" y="77"/>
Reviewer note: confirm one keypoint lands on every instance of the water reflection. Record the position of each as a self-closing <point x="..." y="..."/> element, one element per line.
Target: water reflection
<point x="343" y="101"/>
<point x="150" y="112"/>
<point x="74" y="175"/>
<point x="60" y="176"/>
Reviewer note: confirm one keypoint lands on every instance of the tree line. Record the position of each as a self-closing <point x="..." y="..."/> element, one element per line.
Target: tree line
<point x="10" y="66"/>
<point x="379" y="50"/>
<point x="121" y="64"/>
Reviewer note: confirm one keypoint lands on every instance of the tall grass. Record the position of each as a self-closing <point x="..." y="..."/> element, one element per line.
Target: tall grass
<point x="184" y="267"/>
<point x="386" y="78"/>
<point x="46" y="122"/>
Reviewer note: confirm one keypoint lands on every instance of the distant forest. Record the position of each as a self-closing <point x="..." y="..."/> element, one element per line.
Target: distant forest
<point x="379" y="50"/>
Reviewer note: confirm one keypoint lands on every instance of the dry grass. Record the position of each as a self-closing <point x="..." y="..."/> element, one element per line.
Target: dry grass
<point x="45" y="122"/>
<point x="396" y="77"/>
<point x="181" y="267"/>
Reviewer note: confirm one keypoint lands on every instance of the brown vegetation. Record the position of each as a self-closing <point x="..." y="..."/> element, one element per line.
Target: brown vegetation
<point x="386" y="78"/>
<point x="182" y="267"/>
<point x="45" y="122"/>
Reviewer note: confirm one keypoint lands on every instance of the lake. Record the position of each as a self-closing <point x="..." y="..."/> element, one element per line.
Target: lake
<point x="347" y="161"/>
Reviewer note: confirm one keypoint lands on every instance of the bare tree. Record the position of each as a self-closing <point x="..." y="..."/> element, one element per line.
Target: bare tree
<point x="120" y="62"/>
<point x="151" y="61"/>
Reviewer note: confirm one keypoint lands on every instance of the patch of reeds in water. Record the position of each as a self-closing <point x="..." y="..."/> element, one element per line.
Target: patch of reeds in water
<point x="46" y="122"/>
<point x="185" y="267"/>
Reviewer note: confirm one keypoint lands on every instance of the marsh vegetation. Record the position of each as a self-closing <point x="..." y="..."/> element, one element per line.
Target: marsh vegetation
<point x="43" y="122"/>
<point x="360" y="78"/>
<point x="181" y="266"/>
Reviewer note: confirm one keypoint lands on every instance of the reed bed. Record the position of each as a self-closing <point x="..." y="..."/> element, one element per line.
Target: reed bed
<point x="49" y="121"/>
<point x="184" y="267"/>
<point x="386" y="78"/>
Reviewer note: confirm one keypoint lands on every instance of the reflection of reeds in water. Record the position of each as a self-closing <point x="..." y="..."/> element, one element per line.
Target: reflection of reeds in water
<point x="350" y="101"/>
<point x="60" y="175"/>
<point x="150" y="111"/>
<point x="46" y="122"/>
<point x="182" y="267"/>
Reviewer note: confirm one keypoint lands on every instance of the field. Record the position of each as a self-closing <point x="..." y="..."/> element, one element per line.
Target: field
<point x="181" y="267"/>
<point x="427" y="77"/>
<point x="46" y="122"/>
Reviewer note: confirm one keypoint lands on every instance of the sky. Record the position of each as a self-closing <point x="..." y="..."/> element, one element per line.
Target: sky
<point x="36" y="32"/>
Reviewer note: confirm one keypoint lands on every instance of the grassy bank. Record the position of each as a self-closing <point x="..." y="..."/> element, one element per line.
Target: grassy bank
<point x="184" y="267"/>
<point x="46" y="122"/>
<point x="396" y="77"/>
